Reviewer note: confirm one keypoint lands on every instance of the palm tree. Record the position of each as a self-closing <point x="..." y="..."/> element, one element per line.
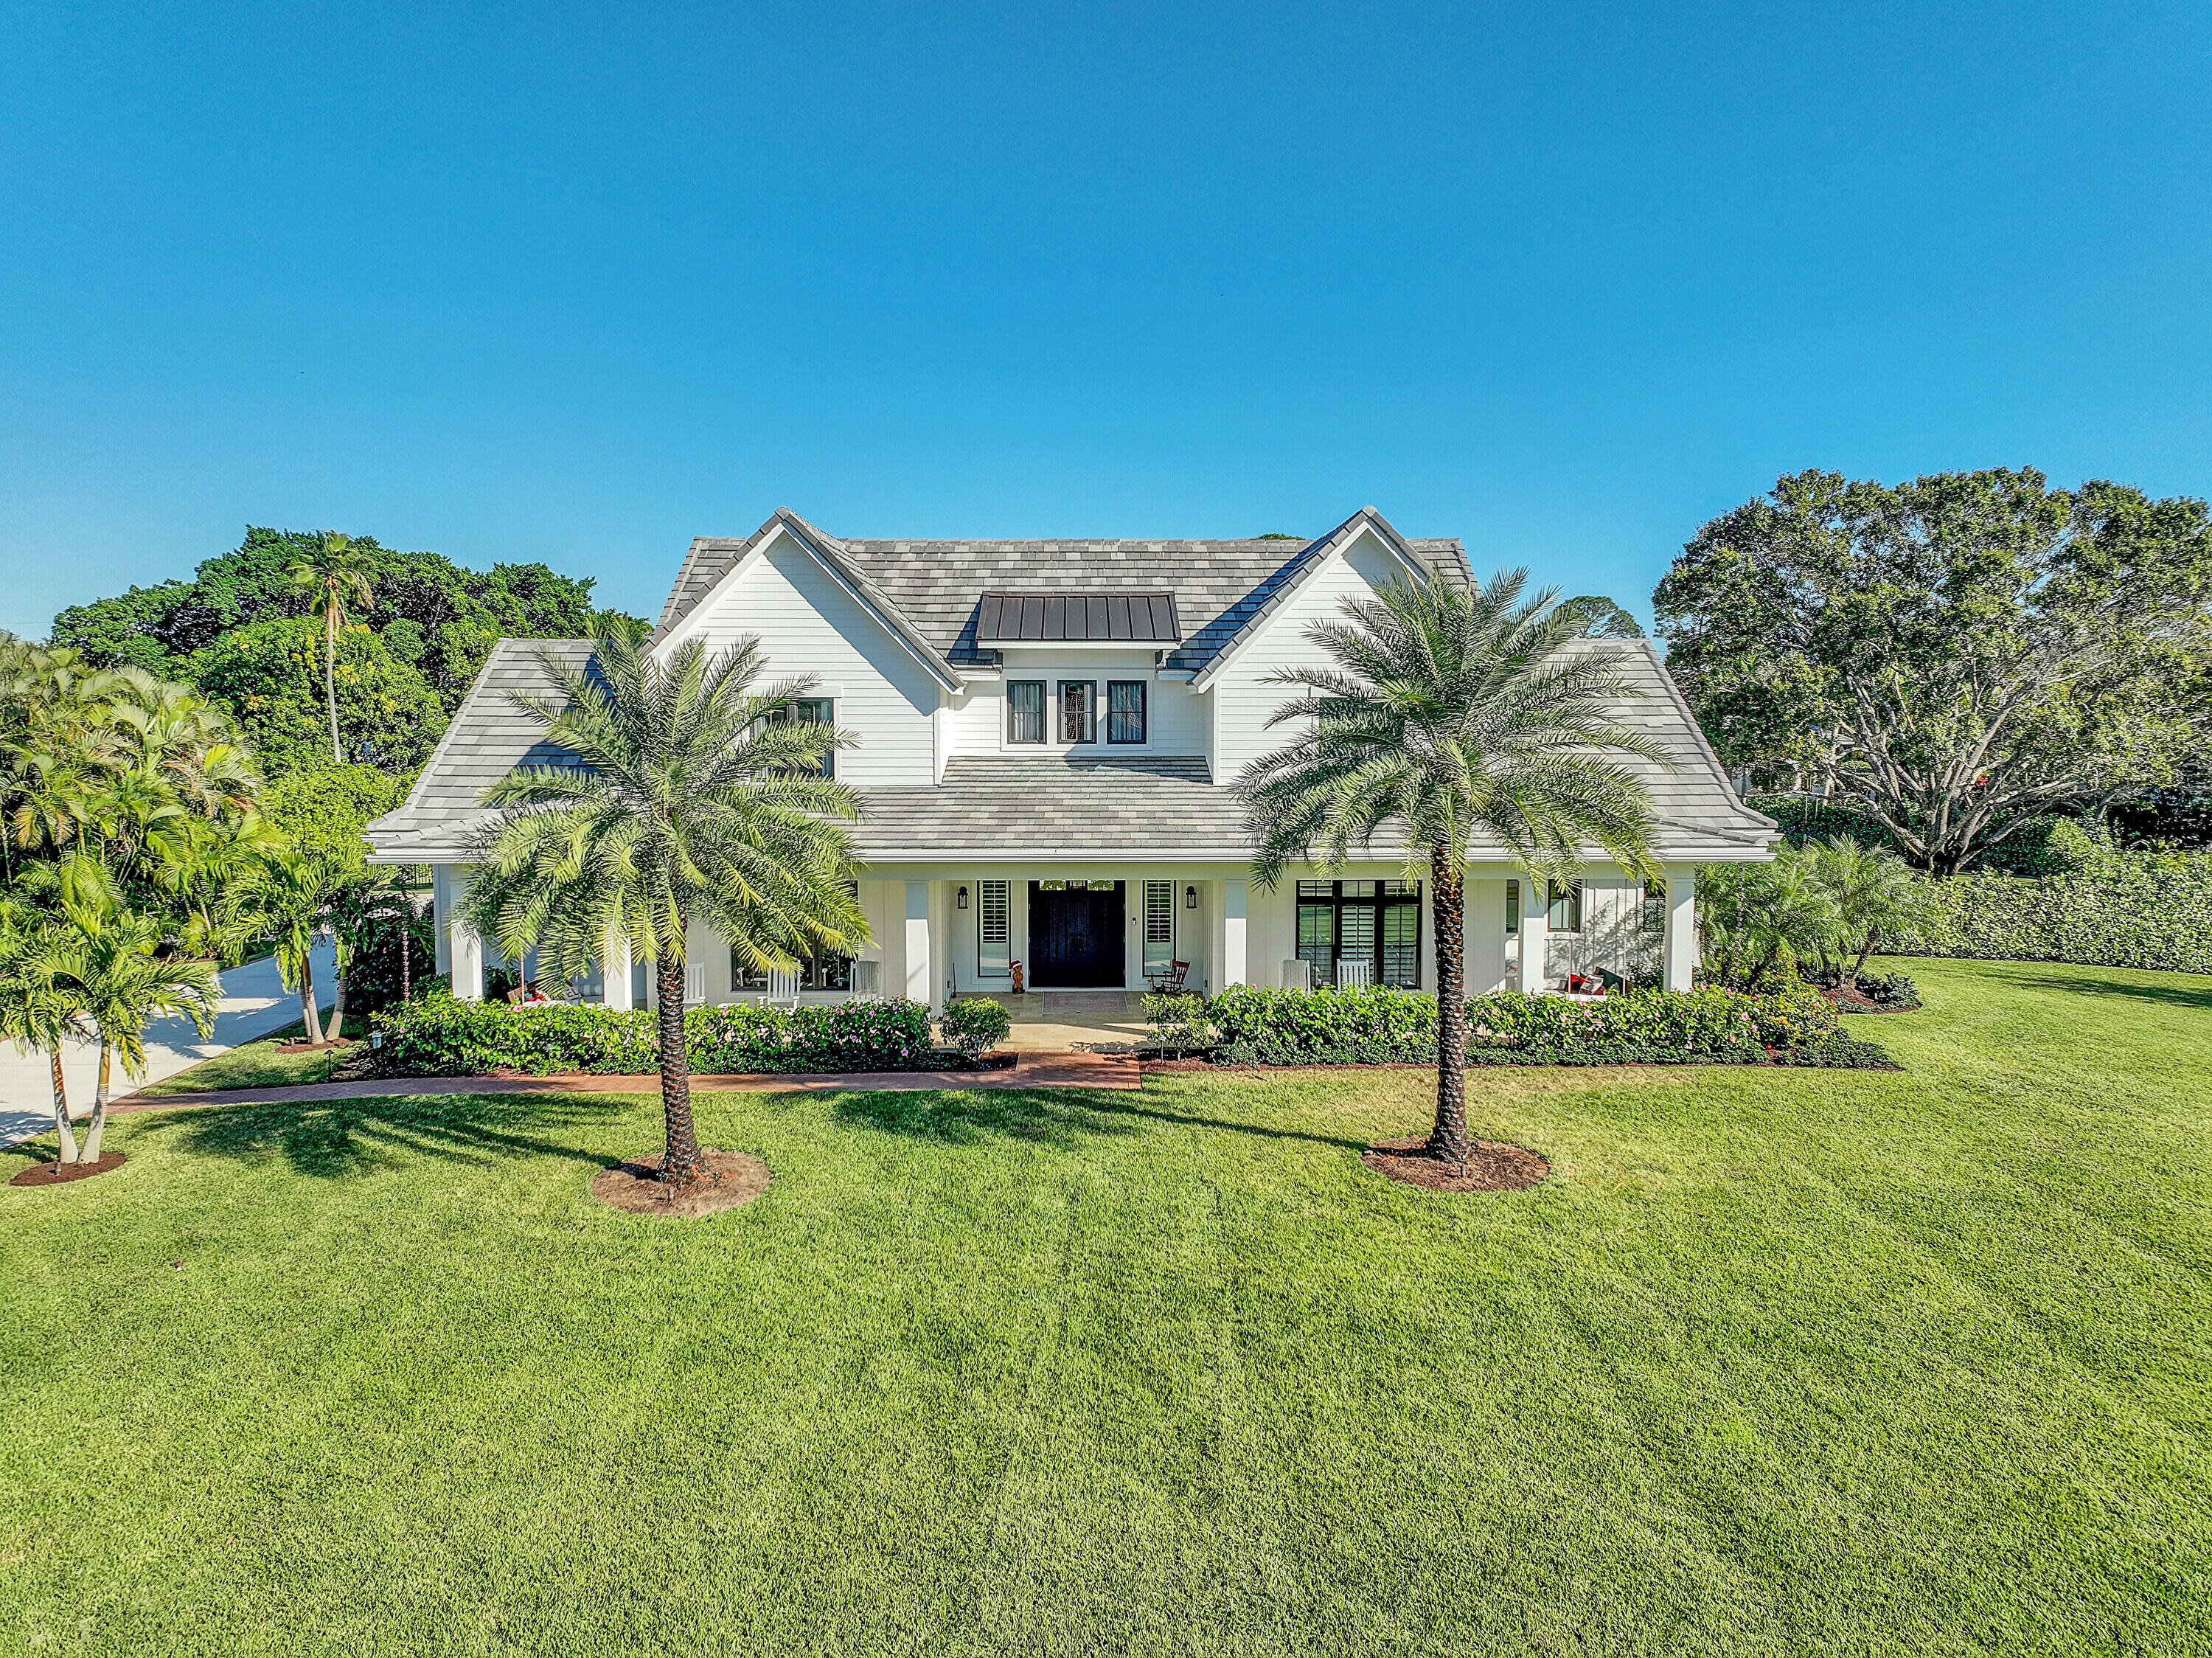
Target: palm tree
<point x="687" y="799"/>
<point x="291" y="894"/>
<point x="1452" y="711"/>
<point x="340" y="573"/>
<point x="1875" y="892"/>
<point x="1760" y="916"/>
<point x="122" y="983"/>
<point x="38" y="1006"/>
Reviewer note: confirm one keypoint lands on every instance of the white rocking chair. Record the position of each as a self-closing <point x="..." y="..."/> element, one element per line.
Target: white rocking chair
<point x="1354" y="975"/>
<point x="782" y="989"/>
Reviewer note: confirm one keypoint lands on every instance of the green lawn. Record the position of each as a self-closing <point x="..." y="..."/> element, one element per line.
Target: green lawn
<point x="256" y="1065"/>
<point x="1778" y="1361"/>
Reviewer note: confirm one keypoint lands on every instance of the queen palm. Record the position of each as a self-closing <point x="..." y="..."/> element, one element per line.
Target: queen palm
<point x="688" y="798"/>
<point x="340" y="573"/>
<point x="38" y="1006"/>
<point x="123" y="982"/>
<point x="1448" y="712"/>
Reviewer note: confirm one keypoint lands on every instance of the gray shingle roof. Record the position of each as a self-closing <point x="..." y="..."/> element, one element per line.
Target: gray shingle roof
<point x="938" y="587"/>
<point x="1050" y="804"/>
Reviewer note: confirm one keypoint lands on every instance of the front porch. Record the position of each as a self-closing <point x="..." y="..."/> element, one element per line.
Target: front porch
<point x="1057" y="1021"/>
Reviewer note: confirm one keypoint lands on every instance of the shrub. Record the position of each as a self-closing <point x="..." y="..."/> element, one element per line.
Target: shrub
<point x="2119" y="909"/>
<point x="1179" y="1022"/>
<point x="973" y="1025"/>
<point x="1792" y="1025"/>
<point x="438" y="1036"/>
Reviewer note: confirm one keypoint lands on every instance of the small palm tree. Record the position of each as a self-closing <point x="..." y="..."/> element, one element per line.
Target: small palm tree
<point x="1875" y="895"/>
<point x="1762" y="916"/>
<point x="341" y="573"/>
<point x="38" y="1003"/>
<point x="1451" y="712"/>
<point x="687" y="799"/>
<point x="291" y="893"/>
<point x="122" y="983"/>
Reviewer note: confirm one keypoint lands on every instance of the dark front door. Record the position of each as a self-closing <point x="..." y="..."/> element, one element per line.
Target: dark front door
<point x="1075" y="936"/>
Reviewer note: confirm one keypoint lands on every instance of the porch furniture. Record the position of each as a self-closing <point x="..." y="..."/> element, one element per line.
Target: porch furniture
<point x="782" y="989"/>
<point x="867" y="979"/>
<point x="1298" y="973"/>
<point x="1354" y="975"/>
<point x="1170" y="982"/>
<point x="695" y="984"/>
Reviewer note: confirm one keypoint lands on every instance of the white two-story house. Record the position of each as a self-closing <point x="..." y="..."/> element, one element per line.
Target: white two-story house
<point x="1049" y="736"/>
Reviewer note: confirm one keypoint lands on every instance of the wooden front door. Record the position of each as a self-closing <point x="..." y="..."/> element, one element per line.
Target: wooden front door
<point x="1075" y="937"/>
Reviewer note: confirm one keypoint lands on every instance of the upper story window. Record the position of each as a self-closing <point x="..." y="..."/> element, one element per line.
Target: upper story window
<point x="1025" y="711"/>
<point x="1078" y="711"/>
<point x="811" y="710"/>
<point x="1125" y="710"/>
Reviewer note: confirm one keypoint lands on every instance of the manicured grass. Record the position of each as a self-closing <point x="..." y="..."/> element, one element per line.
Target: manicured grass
<point x="255" y="1066"/>
<point x="1779" y="1361"/>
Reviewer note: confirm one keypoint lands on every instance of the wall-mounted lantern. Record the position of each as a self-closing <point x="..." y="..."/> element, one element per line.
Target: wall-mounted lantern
<point x="961" y="902"/>
<point x="1190" y="898"/>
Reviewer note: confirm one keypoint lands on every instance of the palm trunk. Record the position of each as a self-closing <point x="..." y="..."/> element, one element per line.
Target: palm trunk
<point x="311" y="1020"/>
<point x="99" y="1110"/>
<point x="61" y="1107"/>
<point x="336" y="1028"/>
<point x="683" y="1161"/>
<point x="1449" y="1138"/>
<point x="331" y="682"/>
<point x="1866" y="950"/>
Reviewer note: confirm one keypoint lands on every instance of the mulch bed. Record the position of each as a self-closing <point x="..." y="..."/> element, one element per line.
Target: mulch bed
<point x="1492" y="1165"/>
<point x="1859" y="1001"/>
<point x="62" y="1174"/>
<point x="733" y="1177"/>
<point x="314" y="1047"/>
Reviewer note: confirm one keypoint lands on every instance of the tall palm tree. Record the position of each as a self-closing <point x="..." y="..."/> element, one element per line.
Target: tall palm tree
<point x="1448" y="712"/>
<point x="687" y="799"/>
<point x="291" y="894"/>
<point x="341" y="573"/>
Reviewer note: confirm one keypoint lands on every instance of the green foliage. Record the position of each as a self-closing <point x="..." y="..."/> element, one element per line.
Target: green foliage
<point x="439" y="1036"/>
<point x="1957" y="655"/>
<point x="269" y="675"/>
<point x="973" y="1024"/>
<point x="1599" y="618"/>
<point x="1793" y="1024"/>
<point x="2118" y="909"/>
<point x="325" y="808"/>
<point x="1179" y="1021"/>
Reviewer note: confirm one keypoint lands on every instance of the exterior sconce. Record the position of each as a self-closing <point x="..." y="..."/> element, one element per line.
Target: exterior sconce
<point x="1190" y="898"/>
<point x="961" y="901"/>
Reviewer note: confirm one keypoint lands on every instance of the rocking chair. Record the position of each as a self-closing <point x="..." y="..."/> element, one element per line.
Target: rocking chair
<point x="1170" y="982"/>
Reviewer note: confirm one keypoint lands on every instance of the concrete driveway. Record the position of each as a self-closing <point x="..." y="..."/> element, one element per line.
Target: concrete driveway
<point x="254" y="1003"/>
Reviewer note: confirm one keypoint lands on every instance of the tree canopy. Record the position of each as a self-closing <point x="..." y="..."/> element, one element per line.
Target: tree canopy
<point x="415" y="647"/>
<point x="1959" y="655"/>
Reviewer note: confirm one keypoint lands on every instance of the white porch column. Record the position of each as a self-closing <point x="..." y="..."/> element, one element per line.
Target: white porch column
<point x="441" y="915"/>
<point x="614" y="974"/>
<point x="919" y="986"/>
<point x="1679" y="952"/>
<point x="1484" y="937"/>
<point x="1536" y="934"/>
<point x="465" y="948"/>
<point x="1229" y="965"/>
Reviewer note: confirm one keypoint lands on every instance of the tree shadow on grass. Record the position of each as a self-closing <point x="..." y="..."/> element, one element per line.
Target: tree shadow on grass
<point x="2172" y="996"/>
<point x="337" y="1138"/>
<point x="1054" y="1116"/>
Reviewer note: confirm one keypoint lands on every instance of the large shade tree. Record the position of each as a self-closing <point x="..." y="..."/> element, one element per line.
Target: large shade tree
<point x="1958" y="656"/>
<point x="1446" y="713"/>
<point x="687" y="797"/>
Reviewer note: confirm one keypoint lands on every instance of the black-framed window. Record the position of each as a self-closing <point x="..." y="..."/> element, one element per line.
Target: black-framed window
<point x="1125" y="710"/>
<point x="1654" y="906"/>
<point x="816" y="972"/>
<point x="812" y="710"/>
<point x="1512" y="906"/>
<point x="1078" y="711"/>
<point x="1375" y="921"/>
<point x="1025" y="711"/>
<point x="1566" y="915"/>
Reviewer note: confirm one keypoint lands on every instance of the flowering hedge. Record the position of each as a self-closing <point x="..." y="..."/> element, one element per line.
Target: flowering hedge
<point x="1793" y="1026"/>
<point x="438" y="1036"/>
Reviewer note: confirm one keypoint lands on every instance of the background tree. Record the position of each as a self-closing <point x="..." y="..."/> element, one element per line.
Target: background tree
<point x="266" y="673"/>
<point x="1959" y="655"/>
<point x="1448" y="713"/>
<point x="1597" y="617"/>
<point x="336" y="576"/>
<point x="686" y="800"/>
<point x="291" y="893"/>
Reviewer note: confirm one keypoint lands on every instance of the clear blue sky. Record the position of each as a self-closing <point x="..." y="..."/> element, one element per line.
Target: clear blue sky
<point x="576" y="285"/>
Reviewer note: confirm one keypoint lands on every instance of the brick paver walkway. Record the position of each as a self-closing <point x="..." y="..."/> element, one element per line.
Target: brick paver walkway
<point x="1030" y="1070"/>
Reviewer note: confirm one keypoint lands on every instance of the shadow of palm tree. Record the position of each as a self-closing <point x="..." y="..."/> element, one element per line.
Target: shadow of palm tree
<point x="1055" y="1116"/>
<point x="2172" y="996"/>
<point x="337" y="1138"/>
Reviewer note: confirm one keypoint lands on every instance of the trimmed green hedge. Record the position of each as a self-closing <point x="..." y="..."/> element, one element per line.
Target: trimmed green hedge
<point x="438" y="1036"/>
<point x="1795" y="1026"/>
<point x="2124" y="910"/>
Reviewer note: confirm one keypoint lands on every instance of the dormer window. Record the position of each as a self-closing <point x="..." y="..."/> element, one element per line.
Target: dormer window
<point x="1078" y="711"/>
<point x="1025" y="711"/>
<point x="1125" y="710"/>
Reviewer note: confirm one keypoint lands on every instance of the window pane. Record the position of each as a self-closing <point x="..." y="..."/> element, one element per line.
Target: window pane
<point x="1355" y="933"/>
<point x="1076" y="719"/>
<point x="818" y="711"/>
<point x="1159" y="925"/>
<point x="1025" y="711"/>
<point x="1317" y="889"/>
<point x="1317" y="939"/>
<point x="1401" y="945"/>
<point x="1567" y="908"/>
<point x="994" y="929"/>
<point x="1359" y="888"/>
<point x="1125" y="710"/>
<point x="1512" y="906"/>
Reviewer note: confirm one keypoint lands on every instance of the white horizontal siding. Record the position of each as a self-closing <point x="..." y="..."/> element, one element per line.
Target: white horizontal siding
<point x="808" y="624"/>
<point x="1175" y="718"/>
